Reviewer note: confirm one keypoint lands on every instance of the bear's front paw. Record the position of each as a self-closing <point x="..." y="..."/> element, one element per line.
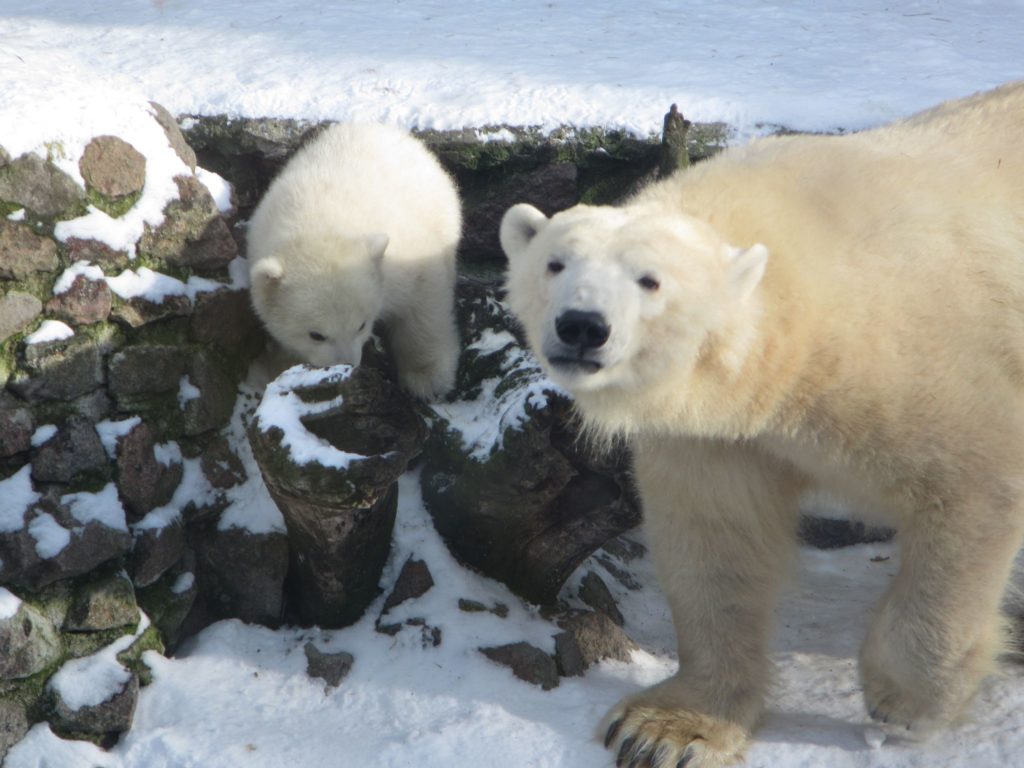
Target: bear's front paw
<point x="428" y="384"/>
<point x="658" y="737"/>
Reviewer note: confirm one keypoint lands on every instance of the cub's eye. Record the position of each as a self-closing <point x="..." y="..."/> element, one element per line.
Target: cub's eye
<point x="648" y="283"/>
<point x="361" y="327"/>
<point x="317" y="336"/>
<point x="555" y="266"/>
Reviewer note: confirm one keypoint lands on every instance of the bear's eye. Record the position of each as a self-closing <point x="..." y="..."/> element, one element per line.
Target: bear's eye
<point x="315" y="336"/>
<point x="361" y="327"/>
<point x="648" y="283"/>
<point x="555" y="266"/>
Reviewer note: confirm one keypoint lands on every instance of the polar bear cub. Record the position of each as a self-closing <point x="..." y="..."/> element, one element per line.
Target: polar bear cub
<point x="361" y="226"/>
<point x="844" y="313"/>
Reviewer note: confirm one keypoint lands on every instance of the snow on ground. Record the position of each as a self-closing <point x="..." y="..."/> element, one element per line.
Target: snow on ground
<point x="239" y="695"/>
<point x="808" y="64"/>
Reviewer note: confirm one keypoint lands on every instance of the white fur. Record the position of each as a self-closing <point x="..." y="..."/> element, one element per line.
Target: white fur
<point x="835" y="312"/>
<point x="361" y="225"/>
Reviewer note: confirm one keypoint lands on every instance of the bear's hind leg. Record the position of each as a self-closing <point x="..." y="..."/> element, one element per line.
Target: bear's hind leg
<point x="721" y="521"/>
<point x="938" y="631"/>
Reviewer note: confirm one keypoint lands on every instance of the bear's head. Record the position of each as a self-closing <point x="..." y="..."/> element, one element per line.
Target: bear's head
<point x="614" y="300"/>
<point x="319" y="297"/>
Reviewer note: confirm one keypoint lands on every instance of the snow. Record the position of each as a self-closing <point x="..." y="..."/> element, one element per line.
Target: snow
<point x="187" y="391"/>
<point x="103" y="507"/>
<point x="16" y="496"/>
<point x="183" y="583"/>
<point x="238" y="694"/>
<point x="421" y="63"/>
<point x="155" y="286"/>
<point x="18" y="215"/>
<point x="91" y="680"/>
<point x="481" y="423"/>
<point x="50" y="330"/>
<point x="43" y="434"/>
<point x="51" y="537"/>
<point x="219" y="189"/>
<point x="9" y="604"/>
<point x="283" y="409"/>
<point x="67" y="277"/>
<point x="109" y="432"/>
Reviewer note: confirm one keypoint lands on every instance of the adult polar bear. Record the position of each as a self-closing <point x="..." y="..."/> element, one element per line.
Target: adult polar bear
<point x="361" y="225"/>
<point x="845" y="312"/>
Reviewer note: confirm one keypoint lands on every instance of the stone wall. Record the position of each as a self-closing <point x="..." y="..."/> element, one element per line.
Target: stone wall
<point x="119" y="367"/>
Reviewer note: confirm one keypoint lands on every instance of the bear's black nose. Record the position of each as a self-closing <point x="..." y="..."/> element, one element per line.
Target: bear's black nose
<point x="586" y="330"/>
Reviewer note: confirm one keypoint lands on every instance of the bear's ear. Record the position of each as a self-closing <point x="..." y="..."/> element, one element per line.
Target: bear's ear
<point x="519" y="226"/>
<point x="376" y="244"/>
<point x="746" y="268"/>
<point x="266" y="272"/>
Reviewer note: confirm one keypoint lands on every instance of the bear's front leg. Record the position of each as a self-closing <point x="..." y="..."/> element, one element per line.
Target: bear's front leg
<point x="938" y="631"/>
<point x="425" y="342"/>
<point x="720" y="520"/>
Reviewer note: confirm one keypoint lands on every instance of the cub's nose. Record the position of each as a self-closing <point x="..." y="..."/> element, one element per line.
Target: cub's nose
<point x="586" y="330"/>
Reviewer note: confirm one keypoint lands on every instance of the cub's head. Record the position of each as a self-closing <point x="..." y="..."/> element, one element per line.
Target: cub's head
<point x="319" y="297"/>
<point x="617" y="299"/>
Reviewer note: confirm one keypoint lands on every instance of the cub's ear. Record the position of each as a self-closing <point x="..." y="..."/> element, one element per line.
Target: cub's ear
<point x="266" y="273"/>
<point x="519" y="226"/>
<point x="746" y="268"/>
<point x="376" y="244"/>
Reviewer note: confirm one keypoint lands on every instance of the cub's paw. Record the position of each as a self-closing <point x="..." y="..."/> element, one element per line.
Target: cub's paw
<point x="659" y="737"/>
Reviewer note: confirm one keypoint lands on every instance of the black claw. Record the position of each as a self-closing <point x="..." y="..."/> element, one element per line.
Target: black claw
<point x="613" y="731"/>
<point x="624" y="750"/>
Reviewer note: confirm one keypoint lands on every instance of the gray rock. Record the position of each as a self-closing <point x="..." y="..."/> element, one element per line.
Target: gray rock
<point x="17" y="311"/>
<point x="138" y="311"/>
<point x="240" y="574"/>
<point x="588" y="638"/>
<point x="14" y="720"/>
<point x="41" y="187"/>
<point x="75" y="449"/>
<point x="551" y="188"/>
<point x="99" y="253"/>
<point x="221" y="466"/>
<point x="595" y="593"/>
<point x="413" y="581"/>
<point x="29" y="643"/>
<point x="143" y="483"/>
<point x="16" y="427"/>
<point x="147" y="369"/>
<point x="527" y="662"/>
<point x="89" y="546"/>
<point x="155" y="551"/>
<point x="62" y="370"/>
<point x="174" y="135"/>
<point x="332" y="668"/>
<point x="226" y="319"/>
<point x="85" y="302"/>
<point x="193" y="233"/>
<point x="170" y="599"/>
<point x="112" y="716"/>
<point x="25" y="252"/>
<point x="100" y="604"/>
<point x="212" y="409"/>
<point x="113" y="167"/>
